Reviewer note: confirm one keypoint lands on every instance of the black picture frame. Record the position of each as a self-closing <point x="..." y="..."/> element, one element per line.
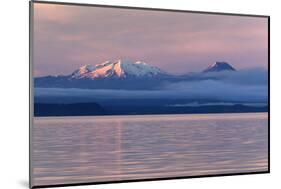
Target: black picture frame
<point x="31" y="113"/>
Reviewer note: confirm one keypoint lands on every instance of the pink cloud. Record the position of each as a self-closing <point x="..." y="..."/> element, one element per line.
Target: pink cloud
<point x="53" y="12"/>
<point x="69" y="36"/>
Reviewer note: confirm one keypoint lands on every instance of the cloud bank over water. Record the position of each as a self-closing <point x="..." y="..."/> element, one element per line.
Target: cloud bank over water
<point x="242" y="86"/>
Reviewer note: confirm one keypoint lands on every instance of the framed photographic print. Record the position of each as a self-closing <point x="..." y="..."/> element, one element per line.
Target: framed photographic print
<point x="121" y="94"/>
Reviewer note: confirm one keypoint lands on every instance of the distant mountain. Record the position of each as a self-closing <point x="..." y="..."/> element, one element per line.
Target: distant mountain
<point x="219" y="66"/>
<point x="118" y="74"/>
<point x="123" y="74"/>
<point x="117" y="69"/>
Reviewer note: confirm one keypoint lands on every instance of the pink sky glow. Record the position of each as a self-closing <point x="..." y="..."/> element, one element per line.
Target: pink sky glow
<point x="67" y="37"/>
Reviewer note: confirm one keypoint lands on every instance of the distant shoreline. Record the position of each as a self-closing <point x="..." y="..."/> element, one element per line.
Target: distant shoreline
<point x="93" y="109"/>
<point x="162" y="115"/>
<point x="112" y="115"/>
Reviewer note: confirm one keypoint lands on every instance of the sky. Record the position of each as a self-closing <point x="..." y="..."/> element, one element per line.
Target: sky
<point x="67" y="37"/>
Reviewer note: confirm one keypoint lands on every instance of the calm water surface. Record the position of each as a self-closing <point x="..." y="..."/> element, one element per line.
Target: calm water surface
<point x="91" y="149"/>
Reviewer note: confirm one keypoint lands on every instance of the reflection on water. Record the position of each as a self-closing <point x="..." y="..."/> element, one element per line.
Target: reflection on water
<point x="92" y="149"/>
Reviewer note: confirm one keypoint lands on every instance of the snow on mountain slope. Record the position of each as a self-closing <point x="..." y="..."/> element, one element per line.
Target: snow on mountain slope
<point x="117" y="69"/>
<point x="219" y="66"/>
<point x="83" y="70"/>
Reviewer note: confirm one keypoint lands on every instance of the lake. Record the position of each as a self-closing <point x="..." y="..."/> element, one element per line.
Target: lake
<point x="69" y="150"/>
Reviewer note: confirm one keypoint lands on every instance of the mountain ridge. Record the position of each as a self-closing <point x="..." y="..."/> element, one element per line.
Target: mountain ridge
<point x="117" y="69"/>
<point x="123" y="74"/>
<point x="218" y="67"/>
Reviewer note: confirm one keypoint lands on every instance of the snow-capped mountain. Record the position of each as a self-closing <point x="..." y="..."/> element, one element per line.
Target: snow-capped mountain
<point x="124" y="74"/>
<point x="219" y="66"/>
<point x="117" y="69"/>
